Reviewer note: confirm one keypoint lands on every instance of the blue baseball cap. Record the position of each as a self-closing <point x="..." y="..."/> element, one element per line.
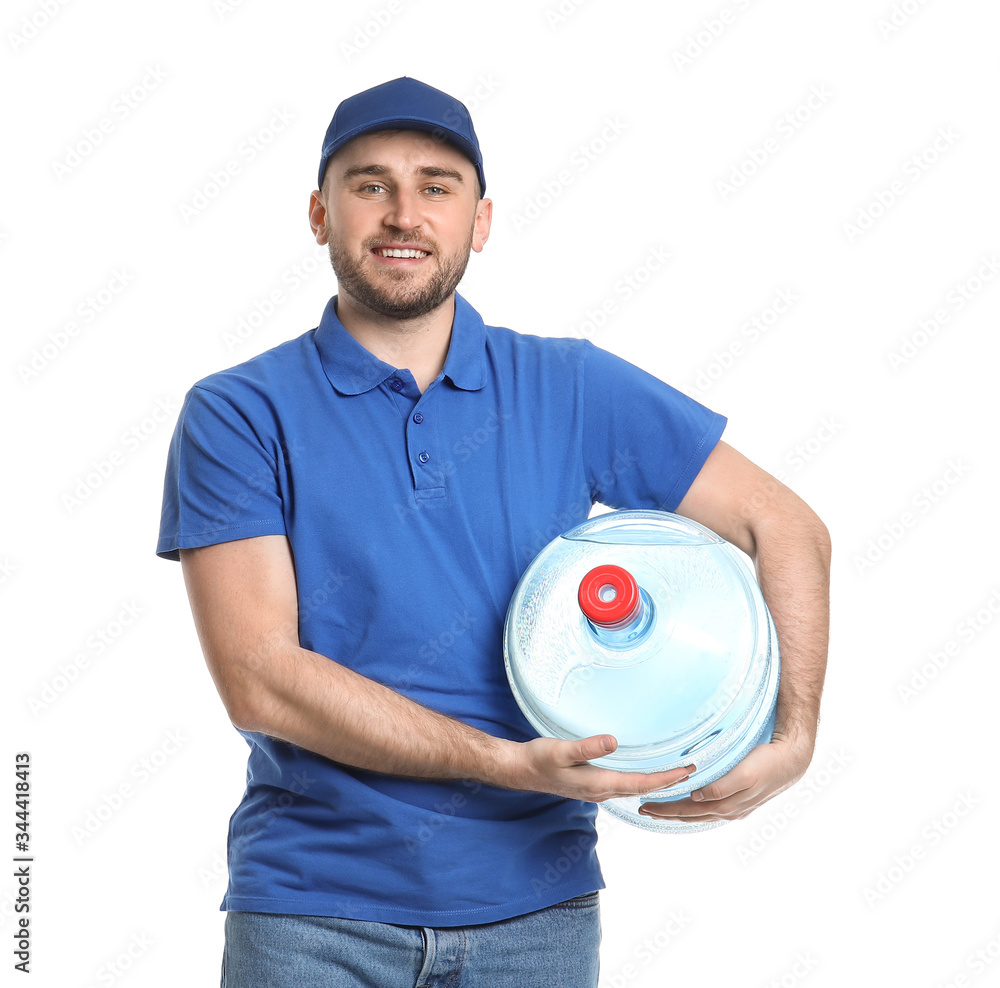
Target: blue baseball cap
<point x="403" y="104"/>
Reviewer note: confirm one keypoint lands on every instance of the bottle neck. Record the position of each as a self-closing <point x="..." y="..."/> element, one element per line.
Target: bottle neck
<point x="628" y="632"/>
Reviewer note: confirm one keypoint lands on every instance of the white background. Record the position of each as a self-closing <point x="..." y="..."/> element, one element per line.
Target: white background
<point x="878" y="867"/>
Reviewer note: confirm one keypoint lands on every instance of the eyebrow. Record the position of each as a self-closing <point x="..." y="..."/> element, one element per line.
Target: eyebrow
<point x="428" y="171"/>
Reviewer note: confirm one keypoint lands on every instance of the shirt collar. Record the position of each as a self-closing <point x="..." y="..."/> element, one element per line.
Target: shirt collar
<point x="352" y="369"/>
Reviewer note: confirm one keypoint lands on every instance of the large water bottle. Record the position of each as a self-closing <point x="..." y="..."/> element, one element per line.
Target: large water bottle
<point x="647" y="626"/>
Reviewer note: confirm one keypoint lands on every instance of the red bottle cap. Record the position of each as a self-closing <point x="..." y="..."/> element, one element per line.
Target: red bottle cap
<point x="609" y="596"/>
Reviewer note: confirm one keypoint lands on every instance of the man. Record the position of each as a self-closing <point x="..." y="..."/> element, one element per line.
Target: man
<point x="352" y="510"/>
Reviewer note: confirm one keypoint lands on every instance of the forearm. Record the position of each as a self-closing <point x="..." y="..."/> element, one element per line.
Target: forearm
<point x="790" y="548"/>
<point x="320" y="705"/>
<point x="793" y="569"/>
<point x="243" y="600"/>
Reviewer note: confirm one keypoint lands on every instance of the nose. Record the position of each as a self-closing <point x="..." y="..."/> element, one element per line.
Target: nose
<point x="404" y="210"/>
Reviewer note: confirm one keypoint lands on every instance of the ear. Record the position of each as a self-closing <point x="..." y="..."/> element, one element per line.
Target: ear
<point x="481" y="230"/>
<point x="317" y="217"/>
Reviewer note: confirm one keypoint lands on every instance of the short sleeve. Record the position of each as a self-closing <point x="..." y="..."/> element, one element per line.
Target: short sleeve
<point x="643" y="441"/>
<point x="221" y="481"/>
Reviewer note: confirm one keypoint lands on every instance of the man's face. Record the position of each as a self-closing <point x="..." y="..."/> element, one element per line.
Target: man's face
<point x="399" y="191"/>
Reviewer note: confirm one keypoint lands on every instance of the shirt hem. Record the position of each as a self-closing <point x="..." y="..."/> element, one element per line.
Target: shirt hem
<point x="696" y="461"/>
<point x="168" y="547"/>
<point x="343" y="909"/>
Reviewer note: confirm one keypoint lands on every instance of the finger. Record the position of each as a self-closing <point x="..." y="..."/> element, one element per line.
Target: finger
<point x="729" y="785"/>
<point x="641" y="784"/>
<point x="599" y="745"/>
<point x="688" y="811"/>
<point x="593" y="747"/>
<point x="685" y="817"/>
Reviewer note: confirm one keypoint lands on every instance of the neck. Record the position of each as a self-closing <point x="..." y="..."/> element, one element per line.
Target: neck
<point x="420" y="344"/>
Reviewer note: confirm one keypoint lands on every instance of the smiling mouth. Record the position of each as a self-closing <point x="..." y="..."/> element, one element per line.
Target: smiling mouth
<point x="399" y="252"/>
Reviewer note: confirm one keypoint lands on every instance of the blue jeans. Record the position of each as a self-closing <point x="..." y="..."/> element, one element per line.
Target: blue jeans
<point x="555" y="947"/>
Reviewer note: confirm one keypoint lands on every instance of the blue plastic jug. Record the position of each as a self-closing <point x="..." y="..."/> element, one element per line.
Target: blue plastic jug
<point x="650" y="627"/>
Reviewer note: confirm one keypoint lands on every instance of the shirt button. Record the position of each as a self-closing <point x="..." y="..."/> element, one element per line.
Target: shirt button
<point x="424" y="457"/>
<point x="396" y="384"/>
<point x="418" y="418"/>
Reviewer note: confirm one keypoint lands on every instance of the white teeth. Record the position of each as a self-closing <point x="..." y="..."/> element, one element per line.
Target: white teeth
<point x="408" y="252"/>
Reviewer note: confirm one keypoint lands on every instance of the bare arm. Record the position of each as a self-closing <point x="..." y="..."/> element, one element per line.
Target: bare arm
<point x="244" y="605"/>
<point x="790" y="547"/>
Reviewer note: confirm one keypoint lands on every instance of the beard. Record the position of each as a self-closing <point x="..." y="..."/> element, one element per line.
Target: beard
<point x="398" y="294"/>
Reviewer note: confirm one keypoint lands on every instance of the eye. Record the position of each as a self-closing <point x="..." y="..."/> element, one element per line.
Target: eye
<point x="373" y="187"/>
<point x="436" y="190"/>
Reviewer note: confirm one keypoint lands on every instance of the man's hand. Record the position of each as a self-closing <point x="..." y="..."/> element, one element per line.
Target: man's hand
<point x="766" y="771"/>
<point x="790" y="548"/>
<point x="562" y="768"/>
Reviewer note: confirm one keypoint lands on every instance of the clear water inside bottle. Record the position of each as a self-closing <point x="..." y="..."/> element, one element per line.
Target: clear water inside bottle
<point x="690" y="676"/>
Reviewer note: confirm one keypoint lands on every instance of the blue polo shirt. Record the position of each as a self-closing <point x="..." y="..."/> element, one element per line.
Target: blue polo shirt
<point x="411" y="517"/>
